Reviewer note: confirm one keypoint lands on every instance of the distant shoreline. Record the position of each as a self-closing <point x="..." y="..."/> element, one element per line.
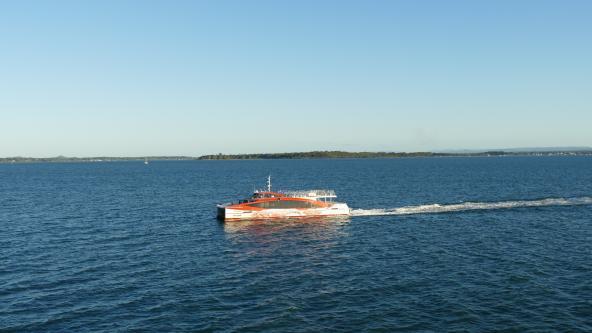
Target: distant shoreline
<point x="344" y="154"/>
<point x="297" y="155"/>
<point x="98" y="159"/>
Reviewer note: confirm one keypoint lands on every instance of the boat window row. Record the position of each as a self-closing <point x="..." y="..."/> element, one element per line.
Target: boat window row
<point x="283" y="204"/>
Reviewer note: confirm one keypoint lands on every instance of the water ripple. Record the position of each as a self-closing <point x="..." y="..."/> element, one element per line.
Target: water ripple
<point x="124" y="247"/>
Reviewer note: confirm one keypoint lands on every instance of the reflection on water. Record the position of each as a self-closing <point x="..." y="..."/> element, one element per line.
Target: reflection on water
<point x="287" y="250"/>
<point x="302" y="235"/>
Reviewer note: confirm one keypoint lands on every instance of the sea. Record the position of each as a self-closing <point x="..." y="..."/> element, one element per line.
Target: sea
<point x="453" y="244"/>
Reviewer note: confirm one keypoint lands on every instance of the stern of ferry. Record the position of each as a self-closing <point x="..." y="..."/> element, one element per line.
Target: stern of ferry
<point x="221" y="212"/>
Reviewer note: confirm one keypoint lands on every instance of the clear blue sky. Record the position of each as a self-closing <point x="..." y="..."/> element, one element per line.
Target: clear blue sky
<point x="82" y="78"/>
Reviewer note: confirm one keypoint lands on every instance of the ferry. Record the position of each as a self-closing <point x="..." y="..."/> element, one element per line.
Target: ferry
<point x="267" y="204"/>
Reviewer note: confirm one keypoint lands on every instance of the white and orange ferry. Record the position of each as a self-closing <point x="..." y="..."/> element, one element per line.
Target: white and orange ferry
<point x="267" y="204"/>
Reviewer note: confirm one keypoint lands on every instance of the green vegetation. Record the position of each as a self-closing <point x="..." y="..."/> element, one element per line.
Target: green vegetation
<point x="345" y="154"/>
<point x="317" y="154"/>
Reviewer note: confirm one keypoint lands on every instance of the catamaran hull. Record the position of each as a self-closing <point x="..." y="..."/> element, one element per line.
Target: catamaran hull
<point x="230" y="214"/>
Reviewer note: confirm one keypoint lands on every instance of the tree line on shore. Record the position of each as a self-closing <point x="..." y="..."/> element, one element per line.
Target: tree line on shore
<point x="345" y="154"/>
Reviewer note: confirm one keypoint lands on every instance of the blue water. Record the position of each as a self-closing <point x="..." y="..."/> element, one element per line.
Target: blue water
<point x="125" y="246"/>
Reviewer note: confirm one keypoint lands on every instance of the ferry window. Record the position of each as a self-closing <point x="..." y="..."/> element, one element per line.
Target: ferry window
<point x="283" y="204"/>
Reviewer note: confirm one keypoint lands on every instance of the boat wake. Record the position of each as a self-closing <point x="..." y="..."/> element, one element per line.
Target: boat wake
<point x="468" y="206"/>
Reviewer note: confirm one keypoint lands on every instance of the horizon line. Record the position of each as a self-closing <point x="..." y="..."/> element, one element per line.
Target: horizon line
<point x="436" y="151"/>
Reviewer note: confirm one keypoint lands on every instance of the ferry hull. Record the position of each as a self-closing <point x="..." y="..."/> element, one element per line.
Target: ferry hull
<point x="230" y="214"/>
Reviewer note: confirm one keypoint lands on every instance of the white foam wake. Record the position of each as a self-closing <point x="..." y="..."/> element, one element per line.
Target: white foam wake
<point x="465" y="206"/>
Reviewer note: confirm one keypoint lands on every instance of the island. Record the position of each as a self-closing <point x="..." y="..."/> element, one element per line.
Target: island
<point x="346" y="154"/>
